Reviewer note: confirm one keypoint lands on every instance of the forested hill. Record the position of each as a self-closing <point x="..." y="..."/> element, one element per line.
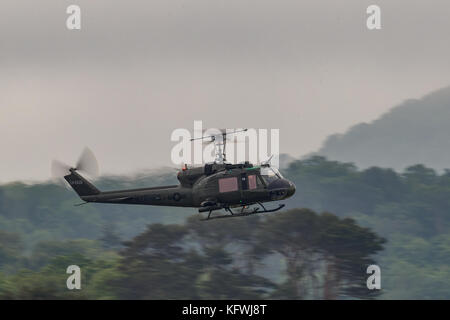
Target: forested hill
<point x="41" y="231"/>
<point x="417" y="131"/>
<point x="410" y="209"/>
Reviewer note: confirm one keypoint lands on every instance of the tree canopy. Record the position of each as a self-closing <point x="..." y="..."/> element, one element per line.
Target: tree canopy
<point x="150" y="252"/>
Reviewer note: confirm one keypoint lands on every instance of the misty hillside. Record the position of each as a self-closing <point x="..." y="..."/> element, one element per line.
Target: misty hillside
<point x="416" y="131"/>
<point x="40" y="228"/>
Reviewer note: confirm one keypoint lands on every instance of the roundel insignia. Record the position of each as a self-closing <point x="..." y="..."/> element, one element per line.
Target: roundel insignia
<point x="176" y="196"/>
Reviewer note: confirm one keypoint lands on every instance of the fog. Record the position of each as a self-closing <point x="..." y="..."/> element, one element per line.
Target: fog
<point x="138" y="70"/>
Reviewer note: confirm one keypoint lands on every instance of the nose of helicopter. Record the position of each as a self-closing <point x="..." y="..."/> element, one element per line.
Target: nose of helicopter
<point x="282" y="186"/>
<point x="291" y="189"/>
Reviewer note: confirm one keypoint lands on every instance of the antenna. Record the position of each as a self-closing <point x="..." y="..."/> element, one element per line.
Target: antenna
<point x="220" y="142"/>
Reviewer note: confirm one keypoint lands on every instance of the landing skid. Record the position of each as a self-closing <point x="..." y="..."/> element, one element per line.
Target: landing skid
<point x="242" y="213"/>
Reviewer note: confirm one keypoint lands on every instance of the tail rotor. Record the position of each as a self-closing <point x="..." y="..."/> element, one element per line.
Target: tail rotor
<point x="87" y="163"/>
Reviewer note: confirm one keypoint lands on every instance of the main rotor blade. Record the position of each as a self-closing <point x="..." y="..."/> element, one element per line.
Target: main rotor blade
<point x="88" y="163"/>
<point x="267" y="162"/>
<point x="222" y="132"/>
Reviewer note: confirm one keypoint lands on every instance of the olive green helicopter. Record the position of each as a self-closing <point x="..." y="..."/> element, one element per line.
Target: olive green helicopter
<point x="239" y="189"/>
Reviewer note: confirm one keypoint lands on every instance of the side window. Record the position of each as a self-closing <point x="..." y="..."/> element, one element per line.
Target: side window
<point x="252" y="182"/>
<point x="228" y="184"/>
<point x="259" y="181"/>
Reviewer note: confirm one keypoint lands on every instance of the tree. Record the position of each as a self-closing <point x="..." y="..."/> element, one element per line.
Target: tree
<point x="325" y="256"/>
<point x="152" y="265"/>
<point x="110" y="238"/>
<point x="420" y="174"/>
<point x="11" y="247"/>
<point x="185" y="262"/>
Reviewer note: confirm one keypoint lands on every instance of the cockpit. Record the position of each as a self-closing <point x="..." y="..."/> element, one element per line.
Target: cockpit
<point x="270" y="174"/>
<point x="279" y="187"/>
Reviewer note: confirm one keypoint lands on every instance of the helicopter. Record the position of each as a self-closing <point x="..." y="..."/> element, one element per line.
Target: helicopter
<point x="216" y="186"/>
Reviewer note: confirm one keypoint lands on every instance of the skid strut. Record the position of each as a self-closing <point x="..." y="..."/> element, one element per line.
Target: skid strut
<point x="242" y="213"/>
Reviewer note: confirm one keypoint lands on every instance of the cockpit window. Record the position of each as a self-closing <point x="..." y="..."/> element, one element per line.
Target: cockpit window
<point x="270" y="171"/>
<point x="270" y="174"/>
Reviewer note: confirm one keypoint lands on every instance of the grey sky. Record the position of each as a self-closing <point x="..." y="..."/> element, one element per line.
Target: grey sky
<point x="139" y="69"/>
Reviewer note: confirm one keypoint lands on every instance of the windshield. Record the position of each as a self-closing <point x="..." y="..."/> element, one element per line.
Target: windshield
<point x="270" y="174"/>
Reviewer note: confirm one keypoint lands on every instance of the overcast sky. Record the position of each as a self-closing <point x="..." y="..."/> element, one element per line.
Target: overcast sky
<point x="137" y="70"/>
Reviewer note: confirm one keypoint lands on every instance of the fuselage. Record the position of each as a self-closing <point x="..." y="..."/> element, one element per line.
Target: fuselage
<point x="225" y="184"/>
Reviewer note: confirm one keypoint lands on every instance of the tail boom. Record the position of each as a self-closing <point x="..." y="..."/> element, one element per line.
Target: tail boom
<point x="81" y="186"/>
<point x="173" y="195"/>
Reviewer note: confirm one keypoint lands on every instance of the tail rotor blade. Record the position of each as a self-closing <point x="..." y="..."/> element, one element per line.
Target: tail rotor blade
<point x="59" y="170"/>
<point x="88" y="163"/>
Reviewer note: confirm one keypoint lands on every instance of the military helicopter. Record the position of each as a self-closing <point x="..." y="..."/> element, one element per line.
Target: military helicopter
<point x="215" y="186"/>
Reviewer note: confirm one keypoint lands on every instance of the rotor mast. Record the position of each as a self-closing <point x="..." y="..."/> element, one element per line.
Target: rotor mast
<point x="220" y="142"/>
